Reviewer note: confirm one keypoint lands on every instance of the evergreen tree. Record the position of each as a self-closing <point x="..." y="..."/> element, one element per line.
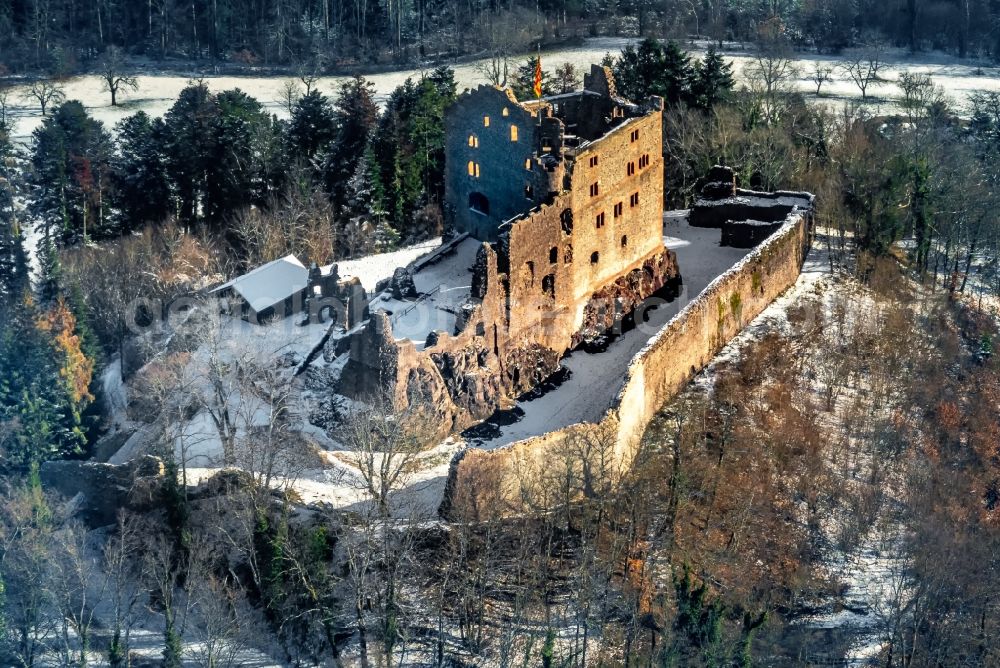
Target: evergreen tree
<point x="14" y="269"/>
<point x="443" y="78"/>
<point x="356" y="117"/>
<point x="189" y="148"/>
<point x="409" y="147"/>
<point x="712" y="80"/>
<point x="654" y="69"/>
<point x="311" y="128"/>
<point x="43" y="389"/>
<point x="238" y="173"/>
<point x="49" y="271"/>
<point x="524" y="80"/>
<point x="15" y="279"/>
<point x="141" y="190"/>
<point x="367" y="228"/>
<point x="70" y="161"/>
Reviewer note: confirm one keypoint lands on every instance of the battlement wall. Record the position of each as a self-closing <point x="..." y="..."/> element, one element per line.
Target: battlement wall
<point x="521" y="475"/>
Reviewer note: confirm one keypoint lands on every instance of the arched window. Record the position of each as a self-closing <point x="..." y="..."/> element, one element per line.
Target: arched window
<point x="474" y="169"/>
<point x="479" y="203"/>
<point x="624" y="240"/>
<point x="594" y="257"/>
<point x="506" y="111"/>
<point x="473" y="141"/>
<point x="513" y="133"/>
<point x="553" y="255"/>
<point x="527" y="164"/>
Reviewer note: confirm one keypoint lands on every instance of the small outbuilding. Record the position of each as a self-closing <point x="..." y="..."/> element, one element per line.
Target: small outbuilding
<point x="276" y="289"/>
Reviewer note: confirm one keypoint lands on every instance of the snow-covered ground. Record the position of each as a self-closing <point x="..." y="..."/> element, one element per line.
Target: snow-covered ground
<point x="328" y="473"/>
<point x="442" y="285"/>
<point x="157" y="92"/>
<point x="872" y="575"/>
<point x="373" y="268"/>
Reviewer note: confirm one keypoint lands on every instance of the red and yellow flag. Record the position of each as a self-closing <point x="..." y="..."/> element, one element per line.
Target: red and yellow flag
<point x="538" y="76"/>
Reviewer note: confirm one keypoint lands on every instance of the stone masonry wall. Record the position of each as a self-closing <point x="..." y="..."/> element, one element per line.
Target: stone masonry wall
<point x="520" y="476"/>
<point x="502" y="162"/>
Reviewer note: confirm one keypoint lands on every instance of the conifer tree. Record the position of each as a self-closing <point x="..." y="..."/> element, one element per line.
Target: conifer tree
<point x="189" y="148"/>
<point x="238" y="173"/>
<point x="712" y="80"/>
<point x="70" y="163"/>
<point x="14" y="269"/>
<point x="141" y="190"/>
<point x="367" y="226"/>
<point x="49" y="284"/>
<point x="356" y="117"/>
<point x="524" y="80"/>
<point x="443" y="78"/>
<point x="675" y="82"/>
<point x="654" y="69"/>
<point x="42" y="389"/>
<point x="311" y="128"/>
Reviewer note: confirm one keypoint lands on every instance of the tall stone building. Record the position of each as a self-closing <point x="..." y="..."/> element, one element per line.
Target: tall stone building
<point x="560" y="202"/>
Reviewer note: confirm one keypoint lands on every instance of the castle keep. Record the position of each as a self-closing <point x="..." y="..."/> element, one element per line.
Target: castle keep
<point x="556" y="213"/>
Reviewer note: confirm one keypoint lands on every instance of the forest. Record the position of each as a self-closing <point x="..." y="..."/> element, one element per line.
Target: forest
<point x="62" y="37"/>
<point x="878" y="432"/>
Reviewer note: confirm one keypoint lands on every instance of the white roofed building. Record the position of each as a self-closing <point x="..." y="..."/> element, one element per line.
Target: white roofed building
<point x="275" y="289"/>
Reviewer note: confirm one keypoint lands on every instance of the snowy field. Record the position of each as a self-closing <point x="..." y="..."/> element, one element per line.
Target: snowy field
<point x="157" y="92"/>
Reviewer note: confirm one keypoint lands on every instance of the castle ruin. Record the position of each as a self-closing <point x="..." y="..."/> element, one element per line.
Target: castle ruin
<point x="556" y="212"/>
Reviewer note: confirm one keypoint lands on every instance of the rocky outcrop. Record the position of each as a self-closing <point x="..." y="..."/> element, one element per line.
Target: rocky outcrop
<point x="401" y="285"/>
<point x="621" y="298"/>
<point x="472" y="384"/>
<point x="99" y="491"/>
<point x="526" y="367"/>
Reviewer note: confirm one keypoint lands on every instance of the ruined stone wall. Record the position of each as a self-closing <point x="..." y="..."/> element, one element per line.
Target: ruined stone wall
<point x="502" y="163"/>
<point x="518" y="474"/>
<point x="608" y="224"/>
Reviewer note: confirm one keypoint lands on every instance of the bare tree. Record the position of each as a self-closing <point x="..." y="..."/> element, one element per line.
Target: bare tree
<point x="289" y="94"/>
<point x="769" y="76"/>
<point x="164" y="570"/>
<point x="226" y="622"/>
<point x="385" y="445"/>
<point x="309" y="81"/>
<point x="78" y="587"/>
<point x="122" y="565"/>
<point x="303" y="224"/>
<point x="820" y="75"/>
<point x="384" y="448"/>
<point x="495" y="68"/>
<point x="919" y="93"/>
<point x="46" y="92"/>
<point x="4" y="103"/>
<point x="27" y="546"/>
<point x="499" y="36"/>
<point x="866" y="65"/>
<point x="114" y="75"/>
